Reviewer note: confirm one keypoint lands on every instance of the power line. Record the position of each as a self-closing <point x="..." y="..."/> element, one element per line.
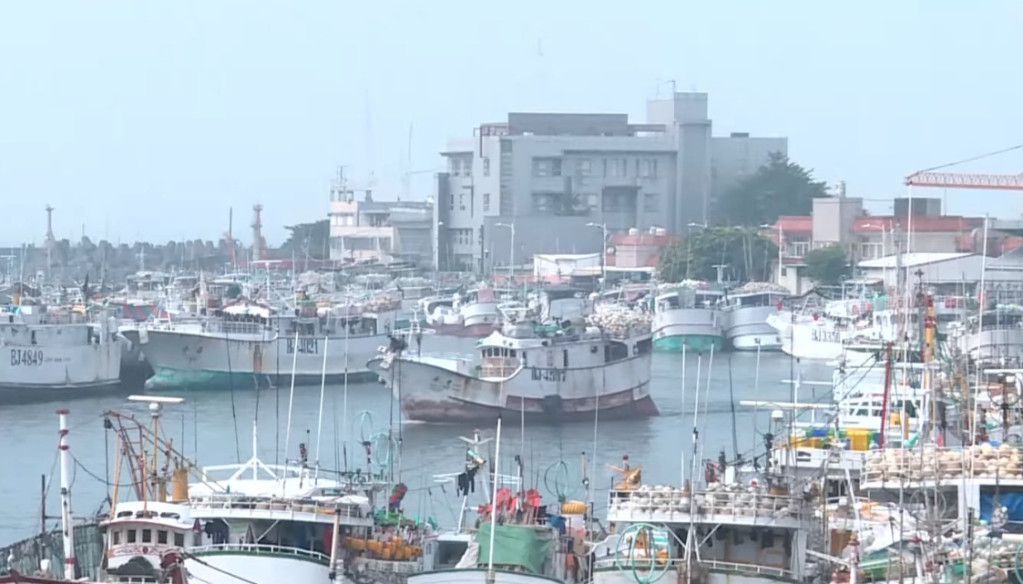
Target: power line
<point x="971" y="159"/>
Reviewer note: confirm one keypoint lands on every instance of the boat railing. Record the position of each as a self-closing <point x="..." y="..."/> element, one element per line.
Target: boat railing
<point x="935" y="464"/>
<point x="252" y="504"/>
<point x="644" y="565"/>
<point x="261" y="549"/>
<point x="235" y="328"/>
<point x="738" y="502"/>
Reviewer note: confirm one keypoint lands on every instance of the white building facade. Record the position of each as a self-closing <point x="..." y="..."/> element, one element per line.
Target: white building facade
<point x="557" y="176"/>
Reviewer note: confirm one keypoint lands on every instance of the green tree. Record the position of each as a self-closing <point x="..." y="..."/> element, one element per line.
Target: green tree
<point x="827" y="265"/>
<point x="309" y="240"/>
<point x="744" y="254"/>
<point x="779" y="187"/>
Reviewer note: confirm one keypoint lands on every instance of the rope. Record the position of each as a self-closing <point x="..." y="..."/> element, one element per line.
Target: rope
<point x="212" y="567"/>
<point x="655" y="572"/>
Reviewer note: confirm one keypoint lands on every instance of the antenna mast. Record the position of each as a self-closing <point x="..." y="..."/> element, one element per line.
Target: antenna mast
<point x="258" y="243"/>
<point x="51" y="241"/>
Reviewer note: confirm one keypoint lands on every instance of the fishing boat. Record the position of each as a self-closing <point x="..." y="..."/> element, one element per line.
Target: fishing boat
<point x="824" y="333"/>
<point x="474" y="314"/>
<point x="745" y="312"/>
<point x="248" y="343"/>
<point x="46" y="351"/>
<point x="992" y="338"/>
<point x="687" y="314"/>
<point x="542" y="369"/>
<point x="724" y="531"/>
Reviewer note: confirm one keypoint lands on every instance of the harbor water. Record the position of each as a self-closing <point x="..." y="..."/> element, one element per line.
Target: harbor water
<point x="216" y="427"/>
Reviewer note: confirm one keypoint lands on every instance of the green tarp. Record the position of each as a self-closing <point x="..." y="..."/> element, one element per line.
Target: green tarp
<point x="515" y="545"/>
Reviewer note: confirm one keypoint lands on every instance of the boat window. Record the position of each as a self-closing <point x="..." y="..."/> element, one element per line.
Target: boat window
<point x="132" y="536"/>
<point x="147" y="536"/>
<point x="179" y="539"/>
<point x="565" y="356"/>
<point x="524" y="360"/>
<point x="449" y="552"/>
<point x="161" y="536"/>
<point x="116" y="537"/>
<point x="513" y="353"/>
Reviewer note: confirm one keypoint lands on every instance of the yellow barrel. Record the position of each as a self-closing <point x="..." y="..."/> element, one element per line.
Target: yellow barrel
<point x="573" y="508"/>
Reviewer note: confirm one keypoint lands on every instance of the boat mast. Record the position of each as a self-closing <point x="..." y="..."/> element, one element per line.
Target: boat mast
<point x="67" y="528"/>
<point x="323" y="390"/>
<point x="493" y="502"/>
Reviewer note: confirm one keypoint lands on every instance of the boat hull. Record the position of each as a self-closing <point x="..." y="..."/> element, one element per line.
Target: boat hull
<point x="58" y="362"/>
<point x="182" y="360"/>
<point x="479" y="330"/>
<point x="445" y="392"/>
<point x="216" y="567"/>
<point x="692" y="342"/>
<point x="698" y="329"/>
<point x="746" y="329"/>
<point x="994" y="346"/>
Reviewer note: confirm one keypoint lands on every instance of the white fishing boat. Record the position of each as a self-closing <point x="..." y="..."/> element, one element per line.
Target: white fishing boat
<point x="540" y="369"/>
<point x="474" y="314"/>
<point x="44" y="351"/>
<point x="825" y="333"/>
<point x="687" y="314"/>
<point x="996" y="337"/>
<point x="250" y="344"/>
<point x="746" y="310"/>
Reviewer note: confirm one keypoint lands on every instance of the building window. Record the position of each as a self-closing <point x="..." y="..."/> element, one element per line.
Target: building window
<point x="647" y="168"/>
<point x="616" y="167"/>
<point x="651" y="203"/>
<point x="546" y="167"/>
<point x="486" y="202"/>
<point x="797" y="249"/>
<point x="584" y="167"/>
<point x="486" y="166"/>
<point x="541" y="167"/>
<point x="454" y="166"/>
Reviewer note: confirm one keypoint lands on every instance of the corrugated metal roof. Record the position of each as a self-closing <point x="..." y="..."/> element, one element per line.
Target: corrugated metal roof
<point x="910" y="260"/>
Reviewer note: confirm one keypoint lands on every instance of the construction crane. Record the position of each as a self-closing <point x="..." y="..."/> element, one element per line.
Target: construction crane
<point x="967" y="180"/>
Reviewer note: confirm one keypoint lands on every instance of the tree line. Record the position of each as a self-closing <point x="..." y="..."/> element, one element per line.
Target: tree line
<point x="738" y="241"/>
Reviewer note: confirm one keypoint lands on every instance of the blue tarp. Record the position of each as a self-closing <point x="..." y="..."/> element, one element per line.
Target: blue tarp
<point x="1013" y="502"/>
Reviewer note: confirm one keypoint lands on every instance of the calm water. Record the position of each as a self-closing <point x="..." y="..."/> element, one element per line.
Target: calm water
<point x="212" y="428"/>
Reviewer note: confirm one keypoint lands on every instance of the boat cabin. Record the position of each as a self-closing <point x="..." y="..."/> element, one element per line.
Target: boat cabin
<point x="138" y="536"/>
<point x="685" y="297"/>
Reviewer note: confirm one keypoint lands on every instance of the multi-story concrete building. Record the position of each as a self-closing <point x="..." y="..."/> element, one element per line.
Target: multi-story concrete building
<point x="371" y="230"/>
<point x="563" y="179"/>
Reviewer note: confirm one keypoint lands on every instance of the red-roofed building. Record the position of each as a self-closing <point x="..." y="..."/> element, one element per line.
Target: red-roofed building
<point x="843" y="221"/>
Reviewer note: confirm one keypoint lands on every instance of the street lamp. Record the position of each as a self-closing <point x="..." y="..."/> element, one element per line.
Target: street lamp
<point x="603" y="251"/>
<point x="511" y="254"/>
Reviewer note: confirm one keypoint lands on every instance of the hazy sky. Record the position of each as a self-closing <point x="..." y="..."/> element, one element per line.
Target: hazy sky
<point x="149" y="120"/>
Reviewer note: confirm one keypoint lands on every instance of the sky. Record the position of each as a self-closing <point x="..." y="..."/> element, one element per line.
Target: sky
<point x="150" y="120"/>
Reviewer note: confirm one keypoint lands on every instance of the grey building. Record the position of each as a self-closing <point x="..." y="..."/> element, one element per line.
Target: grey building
<point x="554" y="175"/>
<point x="370" y="230"/>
